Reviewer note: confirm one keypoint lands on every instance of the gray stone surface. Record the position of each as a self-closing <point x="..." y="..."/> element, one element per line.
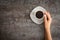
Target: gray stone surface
<point x="15" y="22"/>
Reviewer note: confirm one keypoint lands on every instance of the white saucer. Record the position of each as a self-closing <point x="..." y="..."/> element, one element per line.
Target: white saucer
<point x="33" y="15"/>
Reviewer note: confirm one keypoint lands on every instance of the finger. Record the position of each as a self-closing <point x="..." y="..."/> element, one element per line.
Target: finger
<point x="48" y="15"/>
<point x="45" y="18"/>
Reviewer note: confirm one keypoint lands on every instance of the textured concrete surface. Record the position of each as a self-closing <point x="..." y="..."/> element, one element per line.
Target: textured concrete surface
<point x="15" y="22"/>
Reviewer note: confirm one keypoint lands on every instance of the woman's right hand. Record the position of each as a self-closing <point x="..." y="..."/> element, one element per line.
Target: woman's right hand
<point x="47" y="20"/>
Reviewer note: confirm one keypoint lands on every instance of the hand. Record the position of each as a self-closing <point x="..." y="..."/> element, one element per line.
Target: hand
<point x="47" y="20"/>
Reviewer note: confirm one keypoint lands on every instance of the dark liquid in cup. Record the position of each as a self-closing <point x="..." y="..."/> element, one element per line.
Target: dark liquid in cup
<point x="39" y="14"/>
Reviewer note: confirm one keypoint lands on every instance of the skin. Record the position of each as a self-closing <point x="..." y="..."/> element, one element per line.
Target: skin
<point x="47" y="24"/>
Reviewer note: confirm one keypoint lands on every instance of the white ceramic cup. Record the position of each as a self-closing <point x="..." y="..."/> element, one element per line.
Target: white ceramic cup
<point x="33" y="15"/>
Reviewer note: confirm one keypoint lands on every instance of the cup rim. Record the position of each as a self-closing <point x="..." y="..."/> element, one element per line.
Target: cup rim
<point x="41" y="17"/>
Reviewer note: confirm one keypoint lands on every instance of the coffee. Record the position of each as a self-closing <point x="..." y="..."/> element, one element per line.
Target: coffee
<point x="39" y="14"/>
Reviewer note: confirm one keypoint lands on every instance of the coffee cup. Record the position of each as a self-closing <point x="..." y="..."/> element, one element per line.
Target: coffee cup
<point x="37" y="15"/>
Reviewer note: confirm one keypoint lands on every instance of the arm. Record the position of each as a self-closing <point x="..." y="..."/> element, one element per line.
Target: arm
<point x="47" y="23"/>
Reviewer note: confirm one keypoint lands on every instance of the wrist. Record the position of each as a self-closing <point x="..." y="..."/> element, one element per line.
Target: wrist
<point x="47" y="28"/>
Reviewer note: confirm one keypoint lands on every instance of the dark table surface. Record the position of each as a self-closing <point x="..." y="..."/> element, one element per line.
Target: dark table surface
<point x="15" y="22"/>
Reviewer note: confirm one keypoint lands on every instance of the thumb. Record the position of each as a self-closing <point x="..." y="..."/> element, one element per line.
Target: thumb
<point x="45" y="18"/>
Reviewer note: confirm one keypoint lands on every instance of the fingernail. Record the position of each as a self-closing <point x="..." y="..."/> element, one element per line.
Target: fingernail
<point x="45" y="15"/>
